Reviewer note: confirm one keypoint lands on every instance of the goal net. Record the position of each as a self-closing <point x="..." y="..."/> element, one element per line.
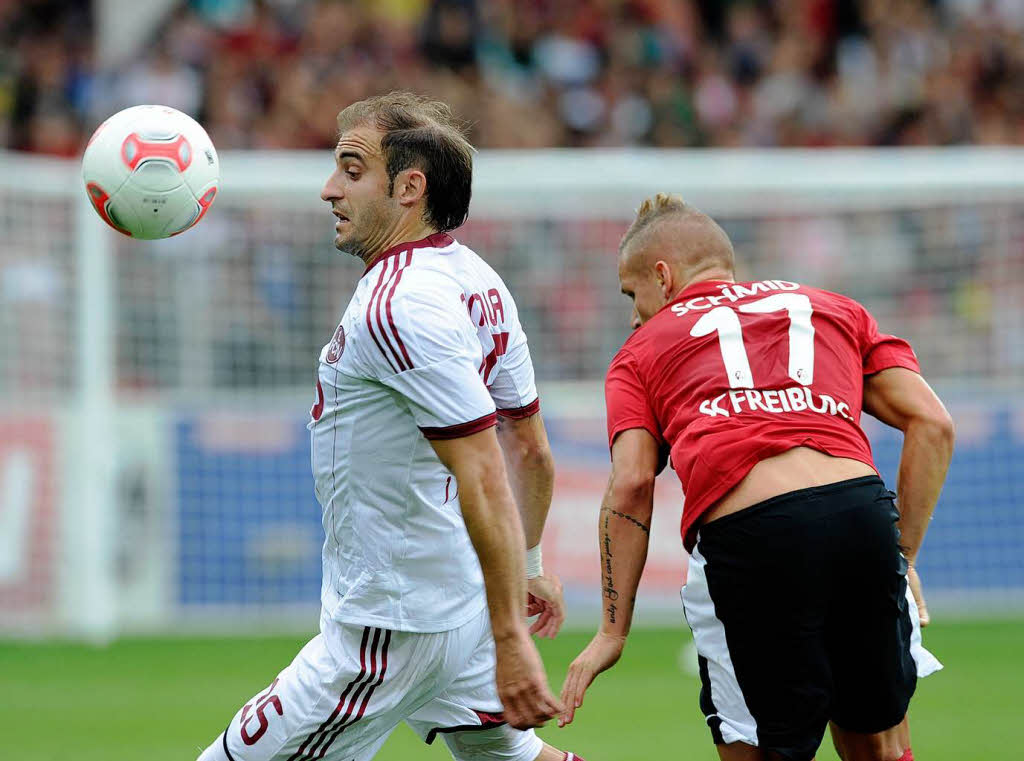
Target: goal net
<point x="154" y="462"/>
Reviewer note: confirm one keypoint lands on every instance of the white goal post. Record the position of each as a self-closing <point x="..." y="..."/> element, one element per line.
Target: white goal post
<point x="153" y="395"/>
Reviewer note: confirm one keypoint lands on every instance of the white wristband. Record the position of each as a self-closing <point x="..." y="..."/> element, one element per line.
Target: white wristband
<point x="534" y="565"/>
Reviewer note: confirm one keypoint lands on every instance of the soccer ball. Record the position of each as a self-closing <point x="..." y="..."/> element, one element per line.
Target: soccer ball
<point x="150" y="172"/>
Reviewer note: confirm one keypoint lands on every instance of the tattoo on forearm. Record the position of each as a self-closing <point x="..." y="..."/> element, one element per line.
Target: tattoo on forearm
<point x="643" y="527"/>
<point x="608" y="588"/>
<point x="608" y="582"/>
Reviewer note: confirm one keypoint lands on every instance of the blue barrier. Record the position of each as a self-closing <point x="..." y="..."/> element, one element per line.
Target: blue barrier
<point x="249" y="531"/>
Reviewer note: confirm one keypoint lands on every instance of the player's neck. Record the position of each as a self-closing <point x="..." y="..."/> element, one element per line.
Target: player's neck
<point x="404" y="232"/>
<point x="706" y="276"/>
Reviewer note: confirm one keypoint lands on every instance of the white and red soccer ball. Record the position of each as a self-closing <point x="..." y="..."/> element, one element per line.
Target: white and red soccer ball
<point x="150" y="172"/>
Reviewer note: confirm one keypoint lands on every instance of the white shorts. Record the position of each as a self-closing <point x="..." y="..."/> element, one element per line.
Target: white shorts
<point x="350" y="686"/>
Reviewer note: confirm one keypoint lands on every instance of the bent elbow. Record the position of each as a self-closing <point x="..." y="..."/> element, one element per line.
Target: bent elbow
<point x="633" y="489"/>
<point x="542" y="461"/>
<point x="938" y="429"/>
<point x="946" y="430"/>
<point x="535" y="457"/>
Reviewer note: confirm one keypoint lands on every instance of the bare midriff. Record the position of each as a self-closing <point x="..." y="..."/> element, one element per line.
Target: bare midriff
<point x="794" y="469"/>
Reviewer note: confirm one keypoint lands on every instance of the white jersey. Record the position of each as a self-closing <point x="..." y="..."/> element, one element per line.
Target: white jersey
<point x="430" y="347"/>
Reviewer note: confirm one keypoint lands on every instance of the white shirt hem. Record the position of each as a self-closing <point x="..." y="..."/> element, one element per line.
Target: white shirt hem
<point x="405" y="624"/>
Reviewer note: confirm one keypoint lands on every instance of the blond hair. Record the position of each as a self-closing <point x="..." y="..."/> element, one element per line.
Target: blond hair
<point x="700" y="243"/>
<point x="653" y="209"/>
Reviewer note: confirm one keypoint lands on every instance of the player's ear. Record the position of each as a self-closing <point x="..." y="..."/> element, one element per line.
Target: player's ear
<point x="663" y="276"/>
<point x="410" y="186"/>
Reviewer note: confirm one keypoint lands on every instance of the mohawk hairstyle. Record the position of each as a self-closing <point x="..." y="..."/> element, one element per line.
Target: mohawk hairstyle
<point x="708" y="248"/>
<point x="421" y="133"/>
<point x="653" y="209"/>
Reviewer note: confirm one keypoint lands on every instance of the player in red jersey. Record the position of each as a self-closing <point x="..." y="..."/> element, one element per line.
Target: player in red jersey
<point x="797" y="590"/>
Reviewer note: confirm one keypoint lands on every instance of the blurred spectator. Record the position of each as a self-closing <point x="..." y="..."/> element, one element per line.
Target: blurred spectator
<point x="160" y="77"/>
<point x="45" y="75"/>
<point x="534" y="73"/>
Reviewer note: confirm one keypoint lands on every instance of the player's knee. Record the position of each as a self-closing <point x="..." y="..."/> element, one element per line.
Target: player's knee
<point x="502" y="743"/>
<point x="875" y="748"/>
<point x="888" y="749"/>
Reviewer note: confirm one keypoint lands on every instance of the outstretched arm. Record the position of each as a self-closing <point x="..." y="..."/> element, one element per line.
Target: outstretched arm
<point x="531" y="473"/>
<point x="623" y="535"/>
<point x="497" y="535"/>
<point x="901" y="398"/>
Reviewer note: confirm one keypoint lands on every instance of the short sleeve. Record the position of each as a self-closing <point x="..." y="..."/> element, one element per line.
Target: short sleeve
<point x="881" y="351"/>
<point x="513" y="387"/>
<point x="437" y="355"/>
<point x="626" y="400"/>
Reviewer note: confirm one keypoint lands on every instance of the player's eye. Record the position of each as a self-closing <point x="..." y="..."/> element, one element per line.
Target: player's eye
<point x="352" y="173"/>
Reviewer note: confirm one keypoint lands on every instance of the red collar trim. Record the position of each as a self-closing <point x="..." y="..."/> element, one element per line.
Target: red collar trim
<point x="701" y="286"/>
<point x="435" y="240"/>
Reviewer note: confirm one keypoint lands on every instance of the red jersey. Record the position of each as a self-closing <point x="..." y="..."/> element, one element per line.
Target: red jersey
<point x="729" y="374"/>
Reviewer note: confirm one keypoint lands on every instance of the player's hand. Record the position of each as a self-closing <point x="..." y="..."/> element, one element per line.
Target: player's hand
<point x="915" y="587"/>
<point x="544" y="599"/>
<point x="522" y="683"/>
<point x="600" y="655"/>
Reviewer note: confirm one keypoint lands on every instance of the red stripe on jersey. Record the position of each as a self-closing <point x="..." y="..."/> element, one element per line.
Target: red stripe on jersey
<point x="337" y="709"/>
<point x="520" y="413"/>
<point x="461" y="429"/>
<point x="391" y="321"/>
<point x="380" y="321"/>
<point x="369" y="322"/>
<point x="436" y="240"/>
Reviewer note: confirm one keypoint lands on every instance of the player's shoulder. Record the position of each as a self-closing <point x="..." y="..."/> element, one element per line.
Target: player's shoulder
<point x="845" y="305"/>
<point x="415" y="310"/>
<point x="821" y="298"/>
<point x="420" y="272"/>
<point x="823" y="293"/>
<point x="462" y="264"/>
<point x="459" y="273"/>
<point x="633" y="353"/>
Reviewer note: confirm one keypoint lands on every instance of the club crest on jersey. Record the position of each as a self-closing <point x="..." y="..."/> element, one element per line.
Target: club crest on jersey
<point x="337" y="346"/>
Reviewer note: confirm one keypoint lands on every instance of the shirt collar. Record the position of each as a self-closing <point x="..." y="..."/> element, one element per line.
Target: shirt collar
<point x="435" y="240"/>
<point x="695" y="289"/>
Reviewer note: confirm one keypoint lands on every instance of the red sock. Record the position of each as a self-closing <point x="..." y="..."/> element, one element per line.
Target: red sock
<point x="908" y="755"/>
<point x="573" y="757"/>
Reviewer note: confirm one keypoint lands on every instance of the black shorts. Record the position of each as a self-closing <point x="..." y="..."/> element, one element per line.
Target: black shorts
<point x="801" y="614"/>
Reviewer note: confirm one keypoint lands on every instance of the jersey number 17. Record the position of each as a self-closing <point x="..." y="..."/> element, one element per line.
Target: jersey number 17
<point x="726" y="323"/>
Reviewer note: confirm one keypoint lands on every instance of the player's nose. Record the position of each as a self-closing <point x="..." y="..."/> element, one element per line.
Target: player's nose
<point x="331" y="191"/>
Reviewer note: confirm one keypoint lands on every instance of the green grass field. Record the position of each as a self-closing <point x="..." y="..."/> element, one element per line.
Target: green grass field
<point x="162" y="699"/>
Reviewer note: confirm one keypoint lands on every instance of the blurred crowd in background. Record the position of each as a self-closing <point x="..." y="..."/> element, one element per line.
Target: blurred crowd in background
<point x="250" y="301"/>
<point x="536" y="73"/>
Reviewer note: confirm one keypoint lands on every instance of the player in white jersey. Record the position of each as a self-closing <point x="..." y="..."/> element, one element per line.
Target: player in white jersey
<point x="425" y="563"/>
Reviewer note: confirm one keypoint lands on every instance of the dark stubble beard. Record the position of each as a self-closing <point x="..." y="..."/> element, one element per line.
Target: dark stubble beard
<point x="373" y="221"/>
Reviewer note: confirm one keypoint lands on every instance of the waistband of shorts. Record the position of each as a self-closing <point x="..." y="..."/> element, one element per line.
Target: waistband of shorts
<point x="788" y="497"/>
